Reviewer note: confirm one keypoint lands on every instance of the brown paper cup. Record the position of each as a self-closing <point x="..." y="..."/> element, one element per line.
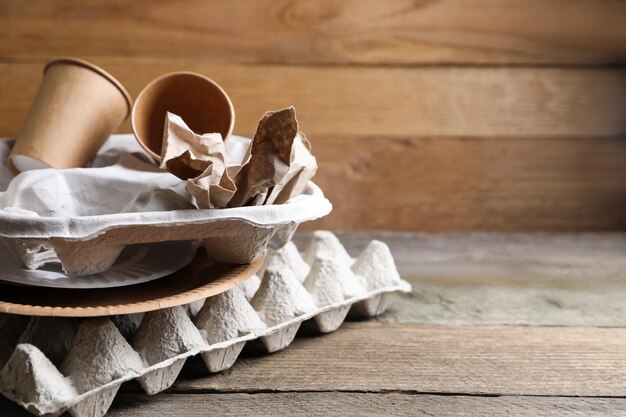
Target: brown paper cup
<point x="77" y="107"/>
<point x="201" y="102"/>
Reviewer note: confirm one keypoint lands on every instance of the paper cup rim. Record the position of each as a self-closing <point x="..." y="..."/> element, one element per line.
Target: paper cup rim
<point x="153" y="154"/>
<point x="98" y="70"/>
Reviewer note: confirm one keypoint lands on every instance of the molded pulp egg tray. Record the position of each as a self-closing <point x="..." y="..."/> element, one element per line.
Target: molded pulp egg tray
<point x="91" y="244"/>
<point x="236" y="235"/>
<point x="53" y="365"/>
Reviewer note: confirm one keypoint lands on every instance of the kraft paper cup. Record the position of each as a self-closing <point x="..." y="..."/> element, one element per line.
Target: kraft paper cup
<point x="77" y="107"/>
<point x="201" y="102"/>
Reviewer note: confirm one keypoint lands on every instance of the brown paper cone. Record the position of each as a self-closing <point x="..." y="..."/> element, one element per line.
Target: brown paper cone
<point x="201" y="102"/>
<point x="77" y="107"/>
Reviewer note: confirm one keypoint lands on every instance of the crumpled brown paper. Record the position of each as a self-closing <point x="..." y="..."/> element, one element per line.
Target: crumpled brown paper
<point x="187" y="154"/>
<point x="200" y="159"/>
<point x="212" y="189"/>
<point x="280" y="163"/>
<point x="277" y="165"/>
<point x="302" y="167"/>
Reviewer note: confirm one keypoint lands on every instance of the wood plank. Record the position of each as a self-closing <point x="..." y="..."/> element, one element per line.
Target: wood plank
<point x="572" y="184"/>
<point x="335" y="404"/>
<point x="322" y="32"/>
<point x="468" y="184"/>
<point x="409" y="102"/>
<point x="495" y="360"/>
<point x="354" y="404"/>
<point x="537" y="279"/>
<point x="565" y="255"/>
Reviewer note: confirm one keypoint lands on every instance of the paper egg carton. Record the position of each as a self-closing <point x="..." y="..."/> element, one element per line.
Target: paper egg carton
<point x="53" y="365"/>
<point x="91" y="244"/>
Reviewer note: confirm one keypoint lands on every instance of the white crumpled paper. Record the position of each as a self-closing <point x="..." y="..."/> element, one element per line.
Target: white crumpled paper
<point x="120" y="180"/>
<point x="129" y="185"/>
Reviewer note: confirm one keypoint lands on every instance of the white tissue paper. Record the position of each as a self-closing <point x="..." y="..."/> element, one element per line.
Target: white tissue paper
<point x="120" y="180"/>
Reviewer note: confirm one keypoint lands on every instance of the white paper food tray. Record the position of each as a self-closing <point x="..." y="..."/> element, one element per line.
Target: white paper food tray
<point x="88" y="244"/>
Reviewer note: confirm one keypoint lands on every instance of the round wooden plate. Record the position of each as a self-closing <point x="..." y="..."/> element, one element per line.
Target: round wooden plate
<point x="200" y="279"/>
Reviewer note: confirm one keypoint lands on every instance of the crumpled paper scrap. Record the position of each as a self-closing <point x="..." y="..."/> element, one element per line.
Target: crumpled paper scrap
<point x="213" y="188"/>
<point x="200" y="159"/>
<point x="280" y="162"/>
<point x="276" y="167"/>
<point x="302" y="167"/>
<point x="187" y="154"/>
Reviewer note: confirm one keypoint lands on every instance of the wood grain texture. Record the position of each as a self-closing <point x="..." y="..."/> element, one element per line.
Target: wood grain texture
<point x="369" y="141"/>
<point x="373" y="357"/>
<point x="368" y="368"/>
<point x="367" y="405"/>
<point x="534" y="279"/>
<point x="321" y="32"/>
<point x="356" y="102"/>
<point x="348" y="404"/>
<point x="457" y="184"/>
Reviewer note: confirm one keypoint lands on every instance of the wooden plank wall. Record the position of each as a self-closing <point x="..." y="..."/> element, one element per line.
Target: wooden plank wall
<point x="427" y="115"/>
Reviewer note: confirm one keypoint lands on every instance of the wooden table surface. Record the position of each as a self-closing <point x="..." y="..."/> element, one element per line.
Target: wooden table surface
<point x="517" y="324"/>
